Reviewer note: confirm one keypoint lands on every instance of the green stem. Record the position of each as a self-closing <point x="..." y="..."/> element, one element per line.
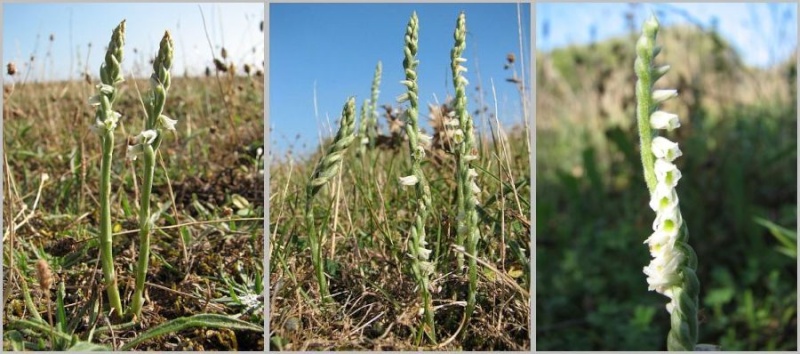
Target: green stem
<point x="106" y="255"/>
<point x="26" y="294"/>
<point x="643" y="110"/>
<point x="316" y="252"/>
<point x="145" y="226"/>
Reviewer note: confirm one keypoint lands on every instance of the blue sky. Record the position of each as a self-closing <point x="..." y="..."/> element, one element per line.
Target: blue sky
<point x="762" y="33"/>
<point x="27" y="28"/>
<point x="336" y="48"/>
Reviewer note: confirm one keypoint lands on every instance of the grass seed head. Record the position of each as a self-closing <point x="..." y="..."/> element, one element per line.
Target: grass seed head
<point x="44" y="275"/>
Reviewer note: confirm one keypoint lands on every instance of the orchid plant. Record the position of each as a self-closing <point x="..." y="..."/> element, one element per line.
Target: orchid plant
<point x="671" y="272"/>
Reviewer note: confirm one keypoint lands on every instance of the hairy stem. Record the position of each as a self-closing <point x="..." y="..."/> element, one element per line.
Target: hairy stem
<point x="106" y="253"/>
<point x="145" y="226"/>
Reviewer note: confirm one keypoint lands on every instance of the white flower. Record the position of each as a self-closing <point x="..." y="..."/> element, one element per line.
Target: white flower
<point x="659" y="243"/>
<point x="424" y="253"/>
<point x="664" y="120"/>
<point x="147" y="136"/>
<point x="144" y="138"/>
<point x="409" y="180"/>
<point x="105" y="89"/>
<point x="664" y="197"/>
<point x="425" y="140"/>
<point x="667" y="173"/>
<point x="663" y="95"/>
<point x="451" y="122"/>
<point x="458" y="136"/>
<point x="134" y="151"/>
<point x="474" y="188"/>
<point x="165" y="122"/>
<point x="669" y="222"/>
<point x="665" y="149"/>
<point x="662" y="272"/>
<point x="364" y="141"/>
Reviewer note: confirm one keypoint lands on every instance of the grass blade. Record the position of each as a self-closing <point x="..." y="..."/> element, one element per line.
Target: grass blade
<point x="202" y="320"/>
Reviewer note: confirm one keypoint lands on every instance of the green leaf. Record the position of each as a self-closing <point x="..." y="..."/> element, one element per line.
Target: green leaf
<point x="15" y="338"/>
<point x="186" y="235"/>
<point x="61" y="315"/>
<point x="786" y="237"/>
<point x="202" y="320"/>
<point x="41" y="327"/>
<point x="719" y="296"/>
<point x="88" y="347"/>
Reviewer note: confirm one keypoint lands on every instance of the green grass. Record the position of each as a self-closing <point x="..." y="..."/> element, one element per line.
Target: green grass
<point x="738" y="137"/>
<point x="207" y="188"/>
<point x="376" y="262"/>
<point x="366" y="216"/>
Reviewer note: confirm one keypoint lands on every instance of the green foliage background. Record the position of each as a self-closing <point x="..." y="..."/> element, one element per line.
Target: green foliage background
<point x="739" y="139"/>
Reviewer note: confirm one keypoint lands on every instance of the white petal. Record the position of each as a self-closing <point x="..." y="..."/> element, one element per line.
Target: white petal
<point x="165" y="122"/>
<point x="664" y="120"/>
<point x="458" y="136"/>
<point x="147" y="136"/>
<point x="106" y="89"/>
<point x="409" y="180"/>
<point x="663" y="95"/>
<point x="424" y="254"/>
<point x="425" y="140"/>
<point x="665" y="149"/>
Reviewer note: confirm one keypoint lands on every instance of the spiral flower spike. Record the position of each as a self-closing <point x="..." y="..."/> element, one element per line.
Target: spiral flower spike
<point x="671" y="272"/>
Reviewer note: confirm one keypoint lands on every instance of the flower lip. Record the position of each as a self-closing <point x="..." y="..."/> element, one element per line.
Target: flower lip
<point x="667" y="173"/>
<point x="665" y="149"/>
<point x="664" y="198"/>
